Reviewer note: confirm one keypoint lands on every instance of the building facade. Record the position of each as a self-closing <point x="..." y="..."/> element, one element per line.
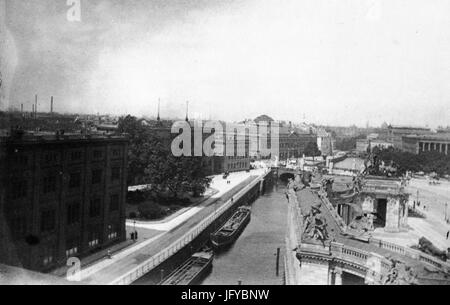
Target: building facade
<point x="293" y="144"/>
<point x="439" y="142"/>
<point x="362" y="145"/>
<point x="61" y="196"/>
<point x="396" y="134"/>
<point x="383" y="201"/>
<point x="325" y="142"/>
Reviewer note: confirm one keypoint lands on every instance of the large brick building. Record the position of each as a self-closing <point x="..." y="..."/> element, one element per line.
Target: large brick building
<point x="61" y="196"/>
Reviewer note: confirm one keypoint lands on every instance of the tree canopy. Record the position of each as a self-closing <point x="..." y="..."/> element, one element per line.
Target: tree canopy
<point x="427" y="162"/>
<point x="150" y="161"/>
<point x="312" y="150"/>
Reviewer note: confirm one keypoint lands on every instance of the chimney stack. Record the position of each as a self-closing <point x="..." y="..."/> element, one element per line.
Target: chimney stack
<point x="187" y="111"/>
<point x="51" y="105"/>
<point x="35" y="105"/>
<point x="159" y="109"/>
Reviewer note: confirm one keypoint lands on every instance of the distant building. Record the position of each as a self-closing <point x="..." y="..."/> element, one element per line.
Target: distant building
<point x="416" y="144"/>
<point x="255" y="139"/>
<point x="362" y="145"/>
<point x="293" y="144"/>
<point x="61" y="196"/>
<point x="325" y="142"/>
<point x="396" y="133"/>
<point x="218" y="164"/>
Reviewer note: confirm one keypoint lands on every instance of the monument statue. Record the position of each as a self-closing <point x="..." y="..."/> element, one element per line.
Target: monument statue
<point x="315" y="225"/>
<point x="400" y="274"/>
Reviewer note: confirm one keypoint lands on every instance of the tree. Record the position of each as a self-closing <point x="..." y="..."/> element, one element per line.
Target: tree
<point x="150" y="161"/>
<point x="150" y="210"/>
<point x="312" y="150"/>
<point x="427" y="162"/>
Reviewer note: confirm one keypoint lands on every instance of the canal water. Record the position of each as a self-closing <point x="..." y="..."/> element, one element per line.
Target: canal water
<point x="252" y="259"/>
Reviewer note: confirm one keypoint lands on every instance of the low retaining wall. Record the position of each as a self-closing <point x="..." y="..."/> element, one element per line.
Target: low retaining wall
<point x="185" y="240"/>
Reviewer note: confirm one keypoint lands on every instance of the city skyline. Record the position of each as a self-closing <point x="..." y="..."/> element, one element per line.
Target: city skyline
<point x="375" y="59"/>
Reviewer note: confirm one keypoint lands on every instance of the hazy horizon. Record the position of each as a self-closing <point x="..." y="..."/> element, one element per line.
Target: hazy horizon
<point x="337" y="63"/>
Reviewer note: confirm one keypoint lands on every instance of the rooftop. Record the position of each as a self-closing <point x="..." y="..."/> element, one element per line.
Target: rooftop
<point x="437" y="136"/>
<point x="409" y="127"/>
<point x="42" y="137"/>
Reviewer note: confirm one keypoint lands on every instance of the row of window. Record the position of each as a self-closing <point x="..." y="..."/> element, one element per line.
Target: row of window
<point x="73" y="244"/>
<point x="94" y="240"/>
<point x="17" y="222"/>
<point x="238" y="165"/>
<point x="96" y="177"/>
<point x="19" y="188"/>
<point x="51" y="158"/>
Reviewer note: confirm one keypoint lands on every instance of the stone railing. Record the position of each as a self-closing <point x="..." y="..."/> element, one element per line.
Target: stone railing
<point x="370" y="265"/>
<point x="411" y="253"/>
<point x="338" y="219"/>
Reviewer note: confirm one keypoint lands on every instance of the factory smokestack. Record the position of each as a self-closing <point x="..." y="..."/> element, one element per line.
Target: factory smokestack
<point x="35" y="105"/>
<point x="51" y="105"/>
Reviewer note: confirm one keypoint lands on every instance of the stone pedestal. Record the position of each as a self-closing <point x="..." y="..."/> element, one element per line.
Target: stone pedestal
<point x="313" y="274"/>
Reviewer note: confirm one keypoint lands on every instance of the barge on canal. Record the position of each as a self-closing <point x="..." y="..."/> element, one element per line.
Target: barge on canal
<point x="231" y="230"/>
<point x="193" y="270"/>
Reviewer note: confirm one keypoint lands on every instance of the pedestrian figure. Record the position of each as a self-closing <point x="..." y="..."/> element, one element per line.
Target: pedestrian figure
<point x="448" y="233"/>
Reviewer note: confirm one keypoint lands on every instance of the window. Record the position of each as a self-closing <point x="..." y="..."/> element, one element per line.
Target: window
<point x="75" y="180"/>
<point x="94" y="207"/>
<point x="97" y="154"/>
<point x="76" y="155"/>
<point x="114" y="203"/>
<point x="94" y="237"/>
<point x="17" y="225"/>
<point x="73" y="213"/>
<point x="115" y="174"/>
<point x="116" y="153"/>
<point x="48" y="220"/>
<point x="72" y="246"/>
<point x="49" y="184"/>
<point x="20" y="159"/>
<point x="50" y="158"/>
<point x="113" y="231"/>
<point x="48" y="256"/>
<point x="97" y="176"/>
<point x="19" y="189"/>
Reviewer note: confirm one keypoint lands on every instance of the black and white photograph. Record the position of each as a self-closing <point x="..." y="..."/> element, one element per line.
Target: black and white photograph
<point x="226" y="147"/>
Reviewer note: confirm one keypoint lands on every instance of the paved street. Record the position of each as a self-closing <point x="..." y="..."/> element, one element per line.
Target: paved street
<point x="433" y="198"/>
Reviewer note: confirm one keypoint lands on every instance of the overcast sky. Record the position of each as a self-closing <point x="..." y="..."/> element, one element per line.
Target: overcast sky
<point x="337" y="62"/>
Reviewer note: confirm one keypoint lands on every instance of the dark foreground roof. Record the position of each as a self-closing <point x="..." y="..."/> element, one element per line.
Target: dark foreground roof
<point x="17" y="276"/>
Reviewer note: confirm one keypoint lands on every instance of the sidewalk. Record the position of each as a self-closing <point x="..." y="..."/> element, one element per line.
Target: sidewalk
<point x="219" y="187"/>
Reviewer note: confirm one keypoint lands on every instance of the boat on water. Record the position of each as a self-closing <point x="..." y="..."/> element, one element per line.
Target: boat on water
<point x="193" y="270"/>
<point x="231" y="230"/>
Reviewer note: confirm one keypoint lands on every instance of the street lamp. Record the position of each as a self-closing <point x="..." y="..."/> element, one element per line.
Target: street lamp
<point x="445" y="212"/>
